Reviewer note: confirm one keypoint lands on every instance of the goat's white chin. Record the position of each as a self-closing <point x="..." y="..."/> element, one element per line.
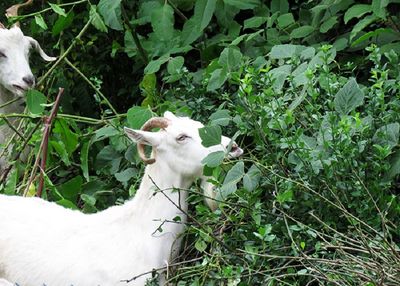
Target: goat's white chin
<point x="236" y="152"/>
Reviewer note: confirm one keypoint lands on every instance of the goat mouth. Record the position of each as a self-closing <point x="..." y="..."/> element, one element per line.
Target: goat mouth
<point x="235" y="151"/>
<point x="20" y="88"/>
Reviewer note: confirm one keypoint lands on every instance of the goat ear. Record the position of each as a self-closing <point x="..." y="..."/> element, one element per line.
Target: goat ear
<point x="169" y="115"/>
<point x="37" y="47"/>
<point x="143" y="137"/>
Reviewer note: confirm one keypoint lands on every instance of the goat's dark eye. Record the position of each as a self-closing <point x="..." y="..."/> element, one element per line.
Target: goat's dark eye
<point x="2" y="55"/>
<point x="182" y="137"/>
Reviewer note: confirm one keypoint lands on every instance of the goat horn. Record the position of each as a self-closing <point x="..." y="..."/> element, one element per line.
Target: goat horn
<point x="13" y="10"/>
<point x="155" y="122"/>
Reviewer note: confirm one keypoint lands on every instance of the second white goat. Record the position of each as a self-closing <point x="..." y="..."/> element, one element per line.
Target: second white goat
<point x="44" y="243"/>
<point x="15" y="73"/>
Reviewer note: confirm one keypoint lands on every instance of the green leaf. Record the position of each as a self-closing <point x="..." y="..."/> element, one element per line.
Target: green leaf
<point x="356" y="11"/>
<point x="148" y="86"/>
<point x="328" y="24"/>
<point x="217" y="79"/>
<point x="285" y="20"/>
<point x="111" y="12"/>
<point x="362" y="24"/>
<point x="154" y="66"/>
<point x="67" y="204"/>
<point x="61" y="150"/>
<point x="63" y="132"/>
<point x="252" y="178"/>
<point x="379" y="8"/>
<point x="204" y="11"/>
<point x="233" y="177"/>
<point x="60" y="11"/>
<point x="62" y="23"/>
<point x="40" y="22"/>
<point x="191" y="31"/>
<point x="200" y="245"/>
<point x="220" y="117"/>
<point x="301" y="32"/>
<point x="285" y="196"/>
<point x="348" y="97"/>
<point x="84" y="156"/>
<point x="214" y="159"/>
<point x="175" y="65"/>
<point x="71" y="188"/>
<point x="394" y="167"/>
<point x="286" y="51"/>
<point x="254" y="22"/>
<point x="243" y="5"/>
<point x="125" y="175"/>
<point x="210" y="135"/>
<point x="230" y="58"/>
<point x="162" y="21"/>
<point x="35" y="101"/>
<point x="281" y="6"/>
<point x="137" y="116"/>
<point x="97" y="21"/>
<point x="387" y="135"/>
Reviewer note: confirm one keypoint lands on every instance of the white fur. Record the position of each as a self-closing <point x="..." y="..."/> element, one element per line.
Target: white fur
<point x="42" y="242"/>
<point x="14" y="67"/>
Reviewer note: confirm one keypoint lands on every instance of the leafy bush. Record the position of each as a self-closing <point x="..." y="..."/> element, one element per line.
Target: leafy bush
<point x="314" y="104"/>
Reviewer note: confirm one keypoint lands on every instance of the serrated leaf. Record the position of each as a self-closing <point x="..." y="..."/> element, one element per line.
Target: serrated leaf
<point x="162" y="21"/>
<point x="252" y="178"/>
<point x="60" y="11"/>
<point x="137" y="116"/>
<point x="233" y="177"/>
<point x="111" y="12"/>
<point x="356" y="11"/>
<point x="35" y="101"/>
<point x="348" y="97"/>
<point x="214" y="159"/>
<point x="210" y="135"/>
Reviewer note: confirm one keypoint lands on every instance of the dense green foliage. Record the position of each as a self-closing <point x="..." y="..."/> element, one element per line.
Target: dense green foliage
<point x="310" y="90"/>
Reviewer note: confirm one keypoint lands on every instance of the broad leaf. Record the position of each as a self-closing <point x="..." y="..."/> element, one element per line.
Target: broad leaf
<point x="154" y="66"/>
<point x="252" y="178"/>
<point x="175" y="65"/>
<point x="230" y="58"/>
<point x="387" y="135"/>
<point x="60" y="11"/>
<point x="111" y="12"/>
<point x="328" y="24"/>
<point x="210" y="135"/>
<point x="162" y="21"/>
<point x="217" y="79"/>
<point x="214" y="159"/>
<point x="220" y="117"/>
<point x="203" y="12"/>
<point x="137" y="116"/>
<point x="97" y="21"/>
<point x="348" y="97"/>
<point x="356" y="11"/>
<point x="285" y="20"/>
<point x="301" y="32"/>
<point x="286" y="51"/>
<point x="243" y="5"/>
<point x="84" y="156"/>
<point x="254" y="22"/>
<point x="233" y="177"/>
<point x="35" y="101"/>
<point x="40" y="22"/>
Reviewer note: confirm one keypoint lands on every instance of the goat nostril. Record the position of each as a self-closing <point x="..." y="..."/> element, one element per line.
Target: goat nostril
<point x="234" y="147"/>
<point x="29" y="80"/>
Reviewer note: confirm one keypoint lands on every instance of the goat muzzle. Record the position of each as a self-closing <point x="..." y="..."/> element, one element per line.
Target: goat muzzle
<point x="155" y="122"/>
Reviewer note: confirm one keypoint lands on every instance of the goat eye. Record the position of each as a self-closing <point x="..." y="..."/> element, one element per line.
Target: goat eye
<point x="2" y="55"/>
<point x="182" y="137"/>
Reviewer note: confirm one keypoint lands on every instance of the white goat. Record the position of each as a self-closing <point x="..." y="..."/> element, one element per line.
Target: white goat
<point x="44" y="243"/>
<point x="15" y="73"/>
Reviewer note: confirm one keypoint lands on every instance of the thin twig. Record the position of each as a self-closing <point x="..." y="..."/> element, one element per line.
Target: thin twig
<point x="47" y="128"/>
